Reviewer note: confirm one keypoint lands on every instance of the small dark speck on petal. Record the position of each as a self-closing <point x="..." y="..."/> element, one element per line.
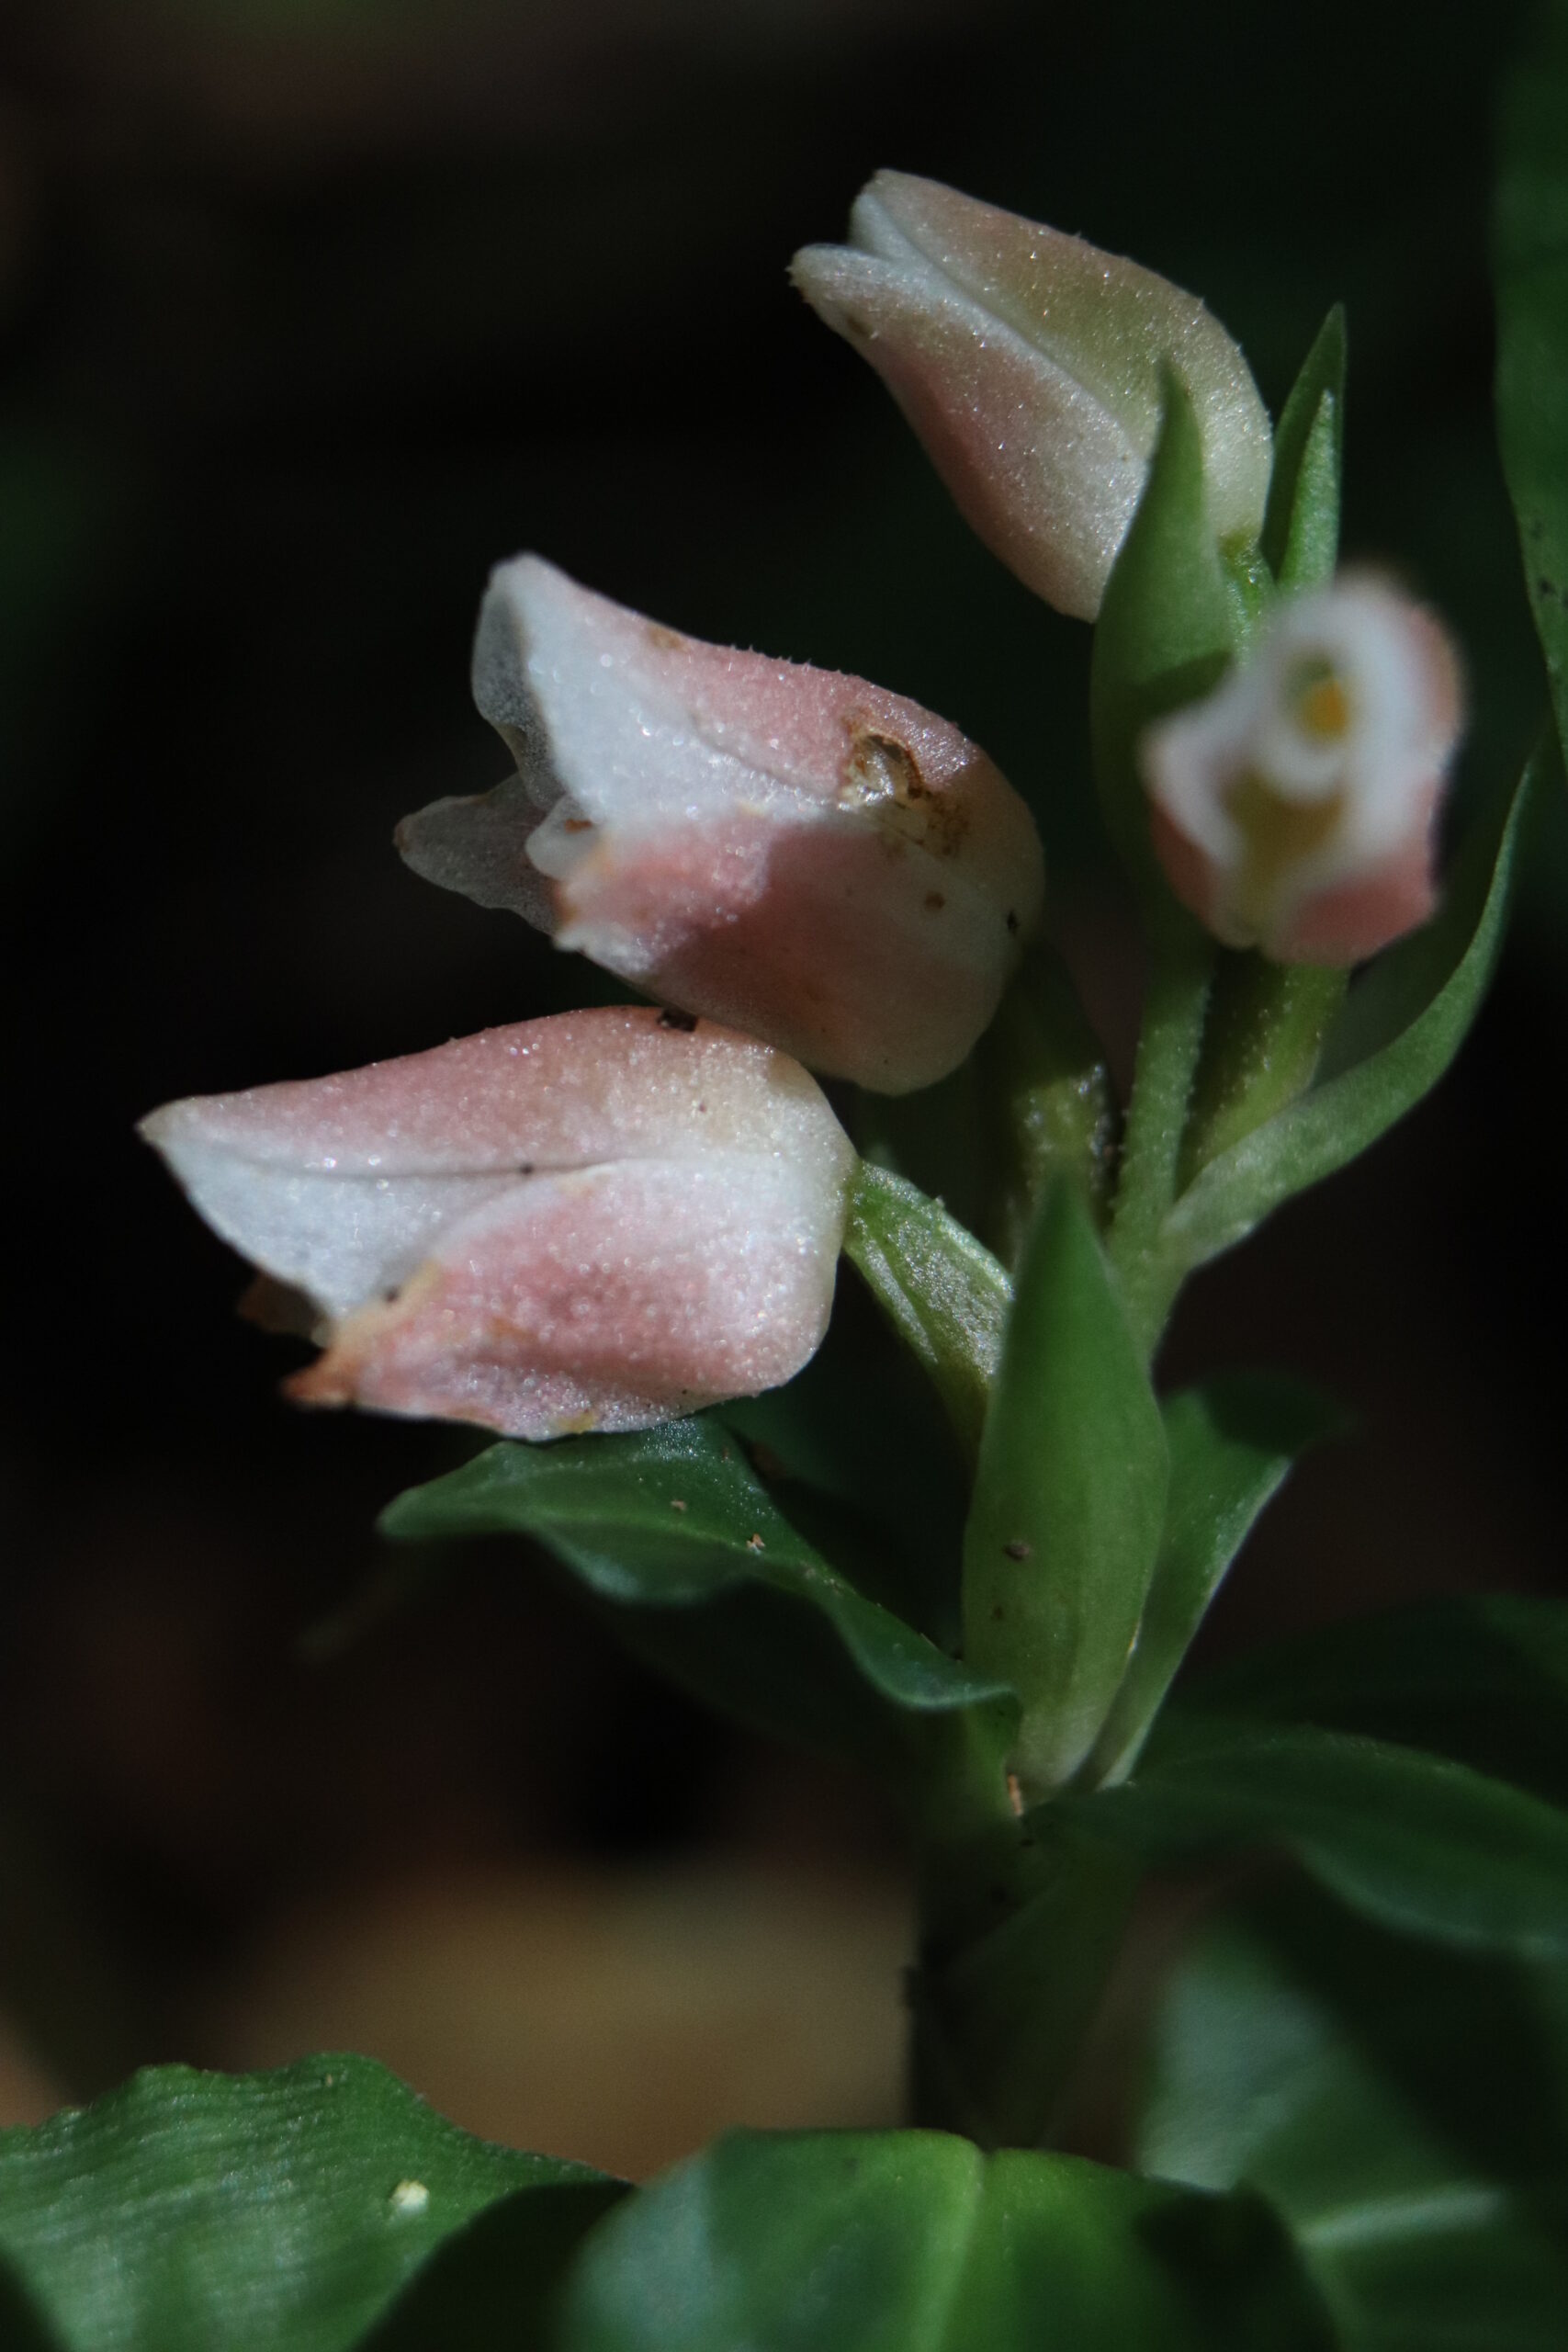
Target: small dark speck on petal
<point x="684" y="1022"/>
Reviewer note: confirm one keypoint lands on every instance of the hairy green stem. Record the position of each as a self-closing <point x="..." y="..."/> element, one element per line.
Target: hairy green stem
<point x="1169" y="1049"/>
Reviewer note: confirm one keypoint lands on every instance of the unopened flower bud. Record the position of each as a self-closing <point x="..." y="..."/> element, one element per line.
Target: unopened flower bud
<point x="1294" y="809"/>
<point x="1030" y="365"/>
<point x="789" y="850"/>
<point x="595" y="1222"/>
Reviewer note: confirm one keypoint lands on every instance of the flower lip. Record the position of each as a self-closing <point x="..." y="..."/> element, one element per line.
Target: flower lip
<point x="599" y="1220"/>
<point x="787" y="850"/>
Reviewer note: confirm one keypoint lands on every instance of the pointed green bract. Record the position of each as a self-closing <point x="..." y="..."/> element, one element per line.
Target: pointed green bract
<point x="658" y="1524"/>
<point x="943" y="1293"/>
<point x="1164" y="636"/>
<point x="1411" y="1840"/>
<point x="914" y="2242"/>
<point x="1421" y="2169"/>
<point x="1301" y="524"/>
<point x="1069" y="1499"/>
<point x="1231" y="1444"/>
<point x="195" y="2212"/>
<point x="1531" y="257"/>
<point x="1400" y="1028"/>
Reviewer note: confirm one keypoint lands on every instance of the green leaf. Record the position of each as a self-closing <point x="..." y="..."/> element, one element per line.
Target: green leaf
<point x="1482" y="1678"/>
<point x="191" y="2212"/>
<point x="1163" y="638"/>
<point x="914" y="2242"/>
<point x="1231" y="1444"/>
<point x="1411" y="1840"/>
<point x="662" y="1521"/>
<point x="943" y="1293"/>
<point x="1401" y="1027"/>
<point x="1069" y="1499"/>
<point x="1301" y="523"/>
<point x="1531" y="258"/>
<point x="1403" y="2109"/>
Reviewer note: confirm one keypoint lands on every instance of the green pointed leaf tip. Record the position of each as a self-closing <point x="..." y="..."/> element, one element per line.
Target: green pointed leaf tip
<point x="914" y="2242"/>
<point x="1531" y="260"/>
<point x="1403" y="2109"/>
<point x="1400" y="1028"/>
<point x="1069" y="1499"/>
<point x="672" y="1518"/>
<point x="946" y="1295"/>
<point x="192" y="2212"/>
<point x="1300" y="538"/>
<point x="1231" y="1444"/>
<point x="1164" y="638"/>
<point x="1411" y="1840"/>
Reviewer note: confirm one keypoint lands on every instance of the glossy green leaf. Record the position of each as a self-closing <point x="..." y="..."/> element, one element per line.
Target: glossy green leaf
<point x="1069" y="1499"/>
<point x="914" y="2242"/>
<point x="1531" y="245"/>
<point x="1409" y="1839"/>
<point x="191" y="2212"/>
<point x="943" y="1293"/>
<point x="1400" y="1028"/>
<point x="1164" y="636"/>
<point x="659" y="1522"/>
<point x="1301" y="524"/>
<point x="1231" y="1444"/>
<point x="1405" y="2110"/>
<point x="858" y="1454"/>
<point x="1480" y="1676"/>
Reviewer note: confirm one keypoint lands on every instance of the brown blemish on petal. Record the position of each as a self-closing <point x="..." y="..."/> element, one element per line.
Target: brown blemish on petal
<point x="882" y="775"/>
<point x="666" y="640"/>
<point x="934" y="902"/>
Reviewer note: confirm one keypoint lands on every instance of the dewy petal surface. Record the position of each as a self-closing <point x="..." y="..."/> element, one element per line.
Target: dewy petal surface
<point x="1029" y="365"/>
<point x="790" y="850"/>
<point x="592" y="1221"/>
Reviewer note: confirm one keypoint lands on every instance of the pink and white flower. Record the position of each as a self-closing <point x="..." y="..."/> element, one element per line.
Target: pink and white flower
<point x="1295" y="809"/>
<point x="599" y="1221"/>
<point x="1030" y="365"/>
<point x="792" y="850"/>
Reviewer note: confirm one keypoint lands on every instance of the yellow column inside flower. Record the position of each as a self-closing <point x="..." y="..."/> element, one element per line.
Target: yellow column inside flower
<point x="1280" y="829"/>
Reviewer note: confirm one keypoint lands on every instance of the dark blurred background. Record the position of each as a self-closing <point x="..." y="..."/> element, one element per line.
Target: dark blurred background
<point x="310" y="311"/>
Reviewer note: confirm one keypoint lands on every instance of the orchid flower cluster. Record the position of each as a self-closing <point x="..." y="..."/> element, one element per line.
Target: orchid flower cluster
<point x="609" y="1219"/>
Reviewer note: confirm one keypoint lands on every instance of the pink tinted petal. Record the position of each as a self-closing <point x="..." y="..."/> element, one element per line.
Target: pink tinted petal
<point x="1192" y="875"/>
<point x="612" y="1299"/>
<point x="343" y="1187"/>
<point x="1355" y="919"/>
<point x="714" y="806"/>
<point x="865" y="955"/>
<point x="1041" y="471"/>
<point x="1029" y="365"/>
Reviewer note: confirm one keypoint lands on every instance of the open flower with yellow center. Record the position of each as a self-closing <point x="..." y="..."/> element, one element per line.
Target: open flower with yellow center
<point x="1294" y="809"/>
